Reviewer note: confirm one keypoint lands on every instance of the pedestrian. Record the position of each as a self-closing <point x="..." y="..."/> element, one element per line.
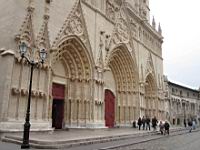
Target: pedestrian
<point x="143" y="122"/>
<point x="185" y="124"/>
<point x="154" y="123"/>
<point x="190" y="125"/>
<point x="161" y="126"/>
<point x="148" y="123"/>
<point x="139" y="123"/>
<point x="193" y="125"/>
<point x="166" y="126"/>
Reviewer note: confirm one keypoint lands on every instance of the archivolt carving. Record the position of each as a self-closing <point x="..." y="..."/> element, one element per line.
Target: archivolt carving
<point x="124" y="68"/>
<point x="76" y="59"/>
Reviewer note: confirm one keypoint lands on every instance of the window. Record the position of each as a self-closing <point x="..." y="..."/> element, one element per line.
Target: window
<point x="172" y="90"/>
<point x="181" y="93"/>
<point x="188" y="94"/>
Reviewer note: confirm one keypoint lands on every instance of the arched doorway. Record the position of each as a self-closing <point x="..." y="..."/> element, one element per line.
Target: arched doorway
<point x="123" y="67"/>
<point x="109" y="109"/>
<point x="150" y="96"/>
<point x="72" y="66"/>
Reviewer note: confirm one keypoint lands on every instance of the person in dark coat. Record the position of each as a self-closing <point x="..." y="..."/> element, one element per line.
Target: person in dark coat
<point x="139" y="122"/>
<point x="166" y="126"/>
<point x="190" y="125"/>
<point x="143" y="122"/>
<point x="185" y="124"/>
<point x="154" y="123"/>
<point x="148" y="123"/>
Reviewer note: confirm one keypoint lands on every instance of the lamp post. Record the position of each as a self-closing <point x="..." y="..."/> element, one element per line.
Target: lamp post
<point x="23" y="49"/>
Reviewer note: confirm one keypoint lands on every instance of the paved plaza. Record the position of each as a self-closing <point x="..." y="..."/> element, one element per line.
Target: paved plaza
<point x="77" y="137"/>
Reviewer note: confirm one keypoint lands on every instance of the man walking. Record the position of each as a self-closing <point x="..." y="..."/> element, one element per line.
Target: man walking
<point x="148" y="123"/>
<point x="166" y="126"/>
<point x="154" y="123"/>
<point x="139" y="122"/>
<point x="143" y="122"/>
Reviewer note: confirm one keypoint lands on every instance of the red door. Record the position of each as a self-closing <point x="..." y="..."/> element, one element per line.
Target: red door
<point x="109" y="108"/>
<point x="58" y="92"/>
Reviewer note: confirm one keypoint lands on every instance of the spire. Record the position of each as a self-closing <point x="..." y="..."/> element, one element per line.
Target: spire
<point x="26" y="31"/>
<point x="43" y="35"/>
<point x="153" y="23"/>
<point x="159" y="29"/>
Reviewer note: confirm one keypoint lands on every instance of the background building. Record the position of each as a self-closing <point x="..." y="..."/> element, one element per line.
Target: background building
<point x="183" y="103"/>
<point x="104" y="65"/>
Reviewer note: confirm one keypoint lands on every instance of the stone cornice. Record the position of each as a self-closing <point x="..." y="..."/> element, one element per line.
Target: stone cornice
<point x="7" y="52"/>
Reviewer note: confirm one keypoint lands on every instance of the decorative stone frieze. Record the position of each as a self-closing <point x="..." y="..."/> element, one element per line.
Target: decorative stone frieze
<point x="15" y="91"/>
<point x="24" y="92"/>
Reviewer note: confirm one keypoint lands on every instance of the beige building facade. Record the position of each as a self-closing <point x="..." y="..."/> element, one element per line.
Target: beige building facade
<point x="182" y="103"/>
<point x="104" y="66"/>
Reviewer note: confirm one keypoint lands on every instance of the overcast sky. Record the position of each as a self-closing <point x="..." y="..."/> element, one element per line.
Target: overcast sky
<point x="180" y="22"/>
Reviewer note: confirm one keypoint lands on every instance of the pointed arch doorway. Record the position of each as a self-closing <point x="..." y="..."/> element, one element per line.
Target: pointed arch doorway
<point x="72" y="66"/>
<point x="123" y="68"/>
<point x="109" y="109"/>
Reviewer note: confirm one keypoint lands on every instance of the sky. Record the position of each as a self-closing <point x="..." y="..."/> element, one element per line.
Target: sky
<point x="180" y="23"/>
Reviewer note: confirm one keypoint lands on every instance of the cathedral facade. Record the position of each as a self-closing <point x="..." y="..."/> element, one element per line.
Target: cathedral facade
<point x="104" y="65"/>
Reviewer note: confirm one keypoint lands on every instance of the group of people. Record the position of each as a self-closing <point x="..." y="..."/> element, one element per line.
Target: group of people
<point x="145" y="123"/>
<point x="191" y="124"/>
<point x="164" y="127"/>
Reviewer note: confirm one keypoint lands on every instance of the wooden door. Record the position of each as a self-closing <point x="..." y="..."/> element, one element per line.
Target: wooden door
<point x="109" y="109"/>
<point x="57" y="113"/>
<point x="58" y="92"/>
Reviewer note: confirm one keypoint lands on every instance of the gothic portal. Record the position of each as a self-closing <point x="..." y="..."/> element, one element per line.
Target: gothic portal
<point x="104" y="66"/>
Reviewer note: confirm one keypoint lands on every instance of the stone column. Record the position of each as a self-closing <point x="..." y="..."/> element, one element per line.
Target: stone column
<point x="6" y="60"/>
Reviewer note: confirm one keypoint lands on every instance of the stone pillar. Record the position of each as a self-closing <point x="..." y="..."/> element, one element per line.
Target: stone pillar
<point x="6" y="68"/>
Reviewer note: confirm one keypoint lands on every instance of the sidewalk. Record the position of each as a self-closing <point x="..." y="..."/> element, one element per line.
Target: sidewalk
<point x="74" y="137"/>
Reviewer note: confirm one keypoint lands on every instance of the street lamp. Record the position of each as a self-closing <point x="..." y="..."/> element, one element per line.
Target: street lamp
<point x="23" y="49"/>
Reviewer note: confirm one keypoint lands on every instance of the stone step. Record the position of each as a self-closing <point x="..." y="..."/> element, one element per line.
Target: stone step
<point x="57" y="144"/>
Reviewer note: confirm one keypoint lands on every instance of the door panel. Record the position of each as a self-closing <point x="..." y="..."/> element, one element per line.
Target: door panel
<point x="58" y="92"/>
<point x="109" y="108"/>
<point x="57" y="113"/>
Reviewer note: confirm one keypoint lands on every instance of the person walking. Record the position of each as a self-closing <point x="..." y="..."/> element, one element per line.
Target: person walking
<point x="166" y="126"/>
<point x="154" y="123"/>
<point x="185" y="124"/>
<point x="193" y="125"/>
<point x="139" y="123"/>
<point x="190" y="125"/>
<point x="143" y="122"/>
<point x="161" y="126"/>
<point x="148" y="121"/>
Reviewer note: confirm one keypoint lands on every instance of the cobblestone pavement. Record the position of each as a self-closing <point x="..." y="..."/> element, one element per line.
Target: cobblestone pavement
<point x="8" y="146"/>
<point x="188" y="141"/>
<point x="151" y="142"/>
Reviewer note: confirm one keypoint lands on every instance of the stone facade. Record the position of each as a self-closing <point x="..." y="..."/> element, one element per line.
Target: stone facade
<point x="92" y="46"/>
<point x="182" y="103"/>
